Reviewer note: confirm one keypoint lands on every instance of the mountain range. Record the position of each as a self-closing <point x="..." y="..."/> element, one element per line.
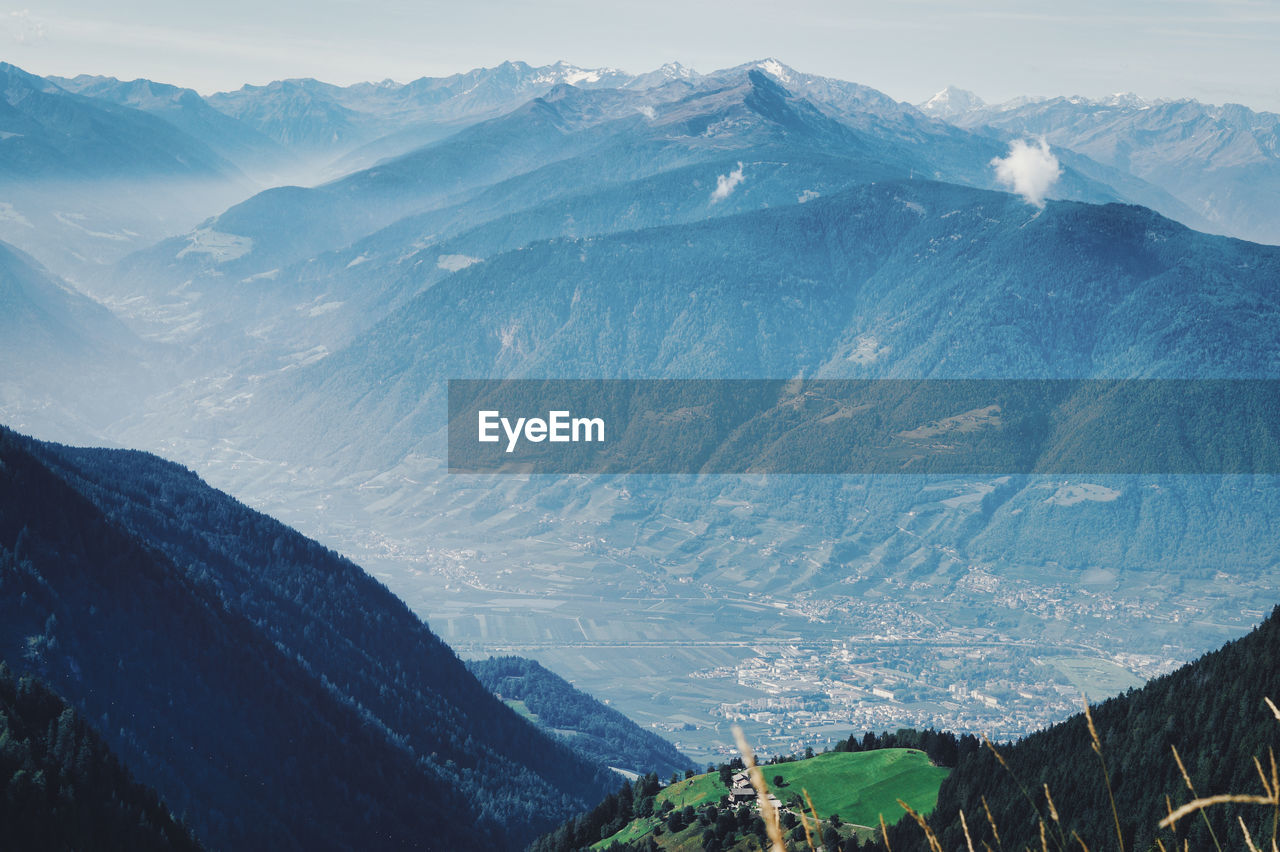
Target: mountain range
<point x="294" y="344"/>
<point x="51" y="133"/>
<point x="230" y="138"/>
<point x="1222" y="162"/>
<point x="299" y="130"/>
<point x="263" y="685"/>
<point x="572" y="163"/>
<point x="85" y="180"/>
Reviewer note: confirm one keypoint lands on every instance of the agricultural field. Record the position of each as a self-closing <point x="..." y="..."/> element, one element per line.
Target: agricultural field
<point x="848" y="790"/>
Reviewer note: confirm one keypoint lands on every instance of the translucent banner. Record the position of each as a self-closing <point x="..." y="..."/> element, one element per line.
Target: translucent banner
<point x="836" y="426"/>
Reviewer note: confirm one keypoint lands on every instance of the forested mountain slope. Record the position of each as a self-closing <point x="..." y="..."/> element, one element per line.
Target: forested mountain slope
<point x="263" y="685"/>
<point x="1213" y="711"/>
<point x="589" y="726"/>
<point x="62" y="788"/>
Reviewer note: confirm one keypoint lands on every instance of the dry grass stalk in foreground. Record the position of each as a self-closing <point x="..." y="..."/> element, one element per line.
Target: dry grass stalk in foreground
<point x="965" y="825"/>
<point x="1270" y="789"/>
<point x="1186" y="777"/>
<point x="768" y="812"/>
<point x="1060" y="839"/>
<point x="995" y="832"/>
<point x="934" y="845"/>
<point x="804" y="820"/>
<point x="1270" y="797"/>
<point x="1248" y="838"/>
<point x="1097" y="749"/>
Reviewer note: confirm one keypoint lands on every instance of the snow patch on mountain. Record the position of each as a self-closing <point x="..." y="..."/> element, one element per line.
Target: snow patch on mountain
<point x="867" y="349"/>
<point x="1070" y="495"/>
<point x="455" y="262"/>
<point x="221" y="247"/>
<point x="269" y="275"/>
<point x="950" y="102"/>
<point x="73" y="220"/>
<point x="774" y="69"/>
<point x="9" y="213"/>
<point x="323" y="308"/>
<point x="562" y="72"/>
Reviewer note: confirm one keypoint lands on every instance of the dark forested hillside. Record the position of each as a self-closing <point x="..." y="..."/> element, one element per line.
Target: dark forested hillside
<point x="61" y="788"/>
<point x="1213" y="711"/>
<point x="263" y="685"/>
<point x="597" y="731"/>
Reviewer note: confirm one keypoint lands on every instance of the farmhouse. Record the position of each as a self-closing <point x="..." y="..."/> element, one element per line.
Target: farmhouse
<point x="744" y="792"/>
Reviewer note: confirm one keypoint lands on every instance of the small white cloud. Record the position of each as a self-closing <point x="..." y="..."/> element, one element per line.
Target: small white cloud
<point x="23" y="28"/>
<point x="726" y="184"/>
<point x="647" y="111"/>
<point x="1030" y="170"/>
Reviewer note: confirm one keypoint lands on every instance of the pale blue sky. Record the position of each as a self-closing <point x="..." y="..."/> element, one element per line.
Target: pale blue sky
<point x="1213" y="50"/>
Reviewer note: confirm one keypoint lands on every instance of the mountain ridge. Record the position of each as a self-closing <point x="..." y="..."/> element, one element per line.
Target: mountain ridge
<point x="64" y="789"/>
<point x="268" y="657"/>
<point x="1212" y="711"/>
<point x="1220" y="161"/>
<point x="74" y="363"/>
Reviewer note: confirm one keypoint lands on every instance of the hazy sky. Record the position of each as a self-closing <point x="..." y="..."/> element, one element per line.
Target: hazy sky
<point x="1213" y="50"/>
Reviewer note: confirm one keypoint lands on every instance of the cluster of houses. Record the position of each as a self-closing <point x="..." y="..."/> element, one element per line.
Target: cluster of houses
<point x="741" y="791"/>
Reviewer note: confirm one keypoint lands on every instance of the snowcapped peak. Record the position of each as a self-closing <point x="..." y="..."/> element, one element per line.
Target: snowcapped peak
<point x="1119" y="99"/>
<point x="573" y="76"/>
<point x="670" y="72"/>
<point x="1126" y="99"/>
<point x="564" y="72"/>
<point x="1021" y="101"/>
<point x="950" y="102"/>
<point x="775" y="69"/>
